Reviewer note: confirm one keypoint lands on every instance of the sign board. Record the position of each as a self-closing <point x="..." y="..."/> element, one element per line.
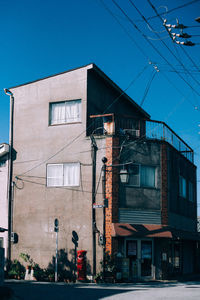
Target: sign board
<point x="98" y="205"/>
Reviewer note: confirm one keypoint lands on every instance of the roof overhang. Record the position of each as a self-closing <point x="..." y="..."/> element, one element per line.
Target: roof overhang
<point x="152" y="231"/>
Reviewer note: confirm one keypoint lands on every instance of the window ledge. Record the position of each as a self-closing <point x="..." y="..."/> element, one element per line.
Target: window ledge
<point x="60" y="124"/>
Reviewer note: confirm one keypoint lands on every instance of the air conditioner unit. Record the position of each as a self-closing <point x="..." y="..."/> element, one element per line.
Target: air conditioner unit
<point x="132" y="132"/>
<point x="4" y="149"/>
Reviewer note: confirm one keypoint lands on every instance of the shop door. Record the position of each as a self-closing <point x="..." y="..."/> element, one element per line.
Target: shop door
<point x="132" y="254"/>
<point x="146" y="259"/>
<point x="140" y="256"/>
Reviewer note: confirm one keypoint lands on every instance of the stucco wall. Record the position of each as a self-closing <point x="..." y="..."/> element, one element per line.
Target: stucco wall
<point x="4" y="202"/>
<point x="36" y="143"/>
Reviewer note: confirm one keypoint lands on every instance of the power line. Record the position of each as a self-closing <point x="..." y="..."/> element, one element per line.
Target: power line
<point x="173" y="9"/>
<point x="163" y="41"/>
<point x="79" y="135"/>
<point x="148" y="87"/>
<point x="125" y="30"/>
<point x="145" y="37"/>
<point x="174" y="70"/>
<point x="182" y="48"/>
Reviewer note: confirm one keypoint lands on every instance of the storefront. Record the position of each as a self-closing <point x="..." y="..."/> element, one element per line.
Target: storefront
<point x="148" y="252"/>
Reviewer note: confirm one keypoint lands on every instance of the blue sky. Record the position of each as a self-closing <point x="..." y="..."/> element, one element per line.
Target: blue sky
<point x="40" y="38"/>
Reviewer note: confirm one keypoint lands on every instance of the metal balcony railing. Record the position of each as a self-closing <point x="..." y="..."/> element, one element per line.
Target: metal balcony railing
<point x="110" y="124"/>
<point x="160" y="131"/>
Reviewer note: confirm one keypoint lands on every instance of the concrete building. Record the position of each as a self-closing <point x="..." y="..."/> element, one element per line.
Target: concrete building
<point x="4" y="150"/>
<point x="63" y="126"/>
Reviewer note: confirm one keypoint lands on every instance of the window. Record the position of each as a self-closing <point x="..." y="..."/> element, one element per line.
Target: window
<point x="182" y="187"/>
<point x="190" y="191"/>
<point x="142" y="176"/>
<point x="67" y="174"/>
<point x="65" y="112"/>
<point x="2" y="163"/>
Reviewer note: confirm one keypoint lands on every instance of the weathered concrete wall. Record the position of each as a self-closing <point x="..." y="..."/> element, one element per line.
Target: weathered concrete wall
<point x="36" y="205"/>
<point x="4" y="201"/>
<point x="182" y="212"/>
<point x="140" y="198"/>
<point x="100" y="93"/>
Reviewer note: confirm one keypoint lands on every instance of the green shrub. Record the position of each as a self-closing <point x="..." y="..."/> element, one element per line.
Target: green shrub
<point x="17" y="270"/>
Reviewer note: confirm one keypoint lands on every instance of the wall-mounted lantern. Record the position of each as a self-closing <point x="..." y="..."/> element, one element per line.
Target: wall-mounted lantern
<point x="124" y="175"/>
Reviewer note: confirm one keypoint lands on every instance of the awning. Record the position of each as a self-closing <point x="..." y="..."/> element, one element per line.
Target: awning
<point x="156" y="231"/>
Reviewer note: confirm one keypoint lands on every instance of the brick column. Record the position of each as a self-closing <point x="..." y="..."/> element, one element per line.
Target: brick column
<point x="112" y="190"/>
<point x="164" y="185"/>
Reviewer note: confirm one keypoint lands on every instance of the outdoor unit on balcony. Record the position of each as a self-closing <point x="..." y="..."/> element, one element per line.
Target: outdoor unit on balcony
<point x="132" y="132"/>
<point x="4" y="149"/>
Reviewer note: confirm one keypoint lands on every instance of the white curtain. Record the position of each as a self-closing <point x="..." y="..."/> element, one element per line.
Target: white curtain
<point x="73" y="111"/>
<point x="55" y="175"/>
<point x="71" y="174"/>
<point x="58" y="113"/>
<point x="147" y="177"/>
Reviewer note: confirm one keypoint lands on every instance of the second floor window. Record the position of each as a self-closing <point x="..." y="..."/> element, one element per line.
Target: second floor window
<point x="182" y="187"/>
<point x="67" y="174"/>
<point x="65" y="112"/>
<point x="190" y="191"/>
<point x="142" y="176"/>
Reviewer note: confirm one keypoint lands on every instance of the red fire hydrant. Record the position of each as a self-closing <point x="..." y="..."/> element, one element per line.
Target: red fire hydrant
<point x="81" y="265"/>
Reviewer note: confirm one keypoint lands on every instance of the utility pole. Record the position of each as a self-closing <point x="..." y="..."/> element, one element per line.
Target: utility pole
<point x="105" y="204"/>
<point x="94" y="156"/>
<point x="10" y="174"/>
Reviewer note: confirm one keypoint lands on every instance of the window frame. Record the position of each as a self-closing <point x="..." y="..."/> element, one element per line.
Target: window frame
<point x="63" y="175"/>
<point x="190" y="191"/>
<point x="140" y="166"/>
<point x="181" y="186"/>
<point x="64" y="101"/>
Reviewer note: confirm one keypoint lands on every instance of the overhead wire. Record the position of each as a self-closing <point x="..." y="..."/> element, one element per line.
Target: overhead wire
<point x="182" y="48"/>
<point x="79" y="135"/>
<point x="171" y="10"/>
<point x="152" y="45"/>
<point x="125" y="30"/>
<point x="148" y="87"/>
<point x="164" y="42"/>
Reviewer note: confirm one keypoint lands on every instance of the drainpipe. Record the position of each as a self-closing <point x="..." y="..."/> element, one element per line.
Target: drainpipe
<point x="10" y="173"/>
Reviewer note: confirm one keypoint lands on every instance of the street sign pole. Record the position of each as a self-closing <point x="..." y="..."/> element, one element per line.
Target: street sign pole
<point x="56" y="229"/>
<point x="56" y="262"/>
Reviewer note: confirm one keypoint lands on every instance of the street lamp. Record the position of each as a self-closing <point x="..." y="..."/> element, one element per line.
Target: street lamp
<point x="124" y="175"/>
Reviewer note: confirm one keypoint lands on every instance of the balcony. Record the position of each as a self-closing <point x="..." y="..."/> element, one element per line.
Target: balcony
<point x="160" y="131"/>
<point x="110" y="124"/>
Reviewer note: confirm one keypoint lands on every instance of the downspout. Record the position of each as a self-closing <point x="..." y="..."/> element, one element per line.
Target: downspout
<point x="10" y="173"/>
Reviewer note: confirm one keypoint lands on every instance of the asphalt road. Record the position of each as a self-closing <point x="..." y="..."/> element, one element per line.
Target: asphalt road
<point x="61" y="291"/>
